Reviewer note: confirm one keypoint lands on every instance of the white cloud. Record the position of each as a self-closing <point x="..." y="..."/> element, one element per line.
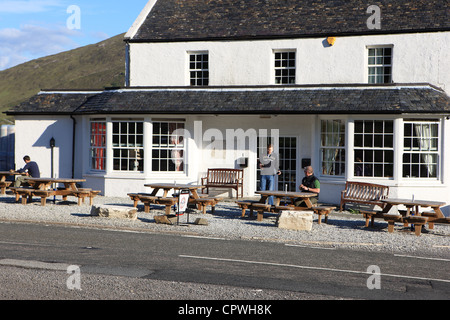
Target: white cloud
<point x="33" y="41"/>
<point x="30" y="6"/>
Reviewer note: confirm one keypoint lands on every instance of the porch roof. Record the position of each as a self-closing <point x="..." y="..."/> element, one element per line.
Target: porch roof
<point x="194" y="20"/>
<point x="325" y="99"/>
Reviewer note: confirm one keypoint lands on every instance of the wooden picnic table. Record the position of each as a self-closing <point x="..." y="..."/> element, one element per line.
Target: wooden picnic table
<point x="166" y="187"/>
<point x="5" y="174"/>
<point x="47" y="183"/>
<point x="278" y="195"/>
<point x="43" y="187"/>
<point x="413" y="214"/>
<point x="413" y="206"/>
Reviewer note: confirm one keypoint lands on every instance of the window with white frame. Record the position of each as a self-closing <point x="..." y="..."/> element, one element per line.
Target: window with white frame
<point x="332" y="147"/>
<point x="380" y="64"/>
<point x="285" y="67"/>
<point x="199" y="68"/>
<point x="420" y="149"/>
<point x="128" y="145"/>
<point x="374" y="148"/>
<point x="98" y="144"/>
<point x="168" y="146"/>
<point x="288" y="163"/>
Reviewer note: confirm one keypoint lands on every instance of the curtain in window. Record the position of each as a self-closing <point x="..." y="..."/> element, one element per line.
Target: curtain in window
<point x="424" y="135"/>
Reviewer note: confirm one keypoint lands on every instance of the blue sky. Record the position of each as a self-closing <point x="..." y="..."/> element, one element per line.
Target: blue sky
<point x="31" y="29"/>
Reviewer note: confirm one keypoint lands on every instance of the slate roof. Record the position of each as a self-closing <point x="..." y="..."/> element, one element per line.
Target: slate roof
<point x="332" y="99"/>
<point x="193" y="20"/>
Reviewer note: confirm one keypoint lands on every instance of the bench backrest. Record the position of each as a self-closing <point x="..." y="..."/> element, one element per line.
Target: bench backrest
<point x="224" y="176"/>
<point x="365" y="191"/>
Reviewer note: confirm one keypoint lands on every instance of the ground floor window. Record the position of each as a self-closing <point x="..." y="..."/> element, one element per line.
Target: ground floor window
<point x="168" y="146"/>
<point x="128" y="145"/>
<point x="98" y="144"/>
<point x="420" y="149"/>
<point x="374" y="148"/>
<point x="332" y="147"/>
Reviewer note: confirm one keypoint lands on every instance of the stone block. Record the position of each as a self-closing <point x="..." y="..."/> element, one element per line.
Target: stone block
<point x="166" y="219"/>
<point x="201" y="221"/>
<point x="114" y="212"/>
<point x="296" y="220"/>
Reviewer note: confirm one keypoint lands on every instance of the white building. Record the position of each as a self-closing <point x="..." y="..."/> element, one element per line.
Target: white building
<point x="231" y="73"/>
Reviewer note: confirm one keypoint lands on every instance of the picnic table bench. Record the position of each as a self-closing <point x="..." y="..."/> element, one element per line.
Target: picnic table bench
<point x="41" y="187"/>
<point x="148" y="199"/>
<point x="224" y="178"/>
<point x="262" y="207"/>
<point x="204" y="202"/>
<point x="362" y="192"/>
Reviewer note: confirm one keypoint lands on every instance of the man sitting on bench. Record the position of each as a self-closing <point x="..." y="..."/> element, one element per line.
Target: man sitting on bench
<point x="31" y="169"/>
<point x="310" y="183"/>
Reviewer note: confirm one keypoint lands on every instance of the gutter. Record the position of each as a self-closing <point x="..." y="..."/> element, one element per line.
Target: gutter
<point x="73" y="144"/>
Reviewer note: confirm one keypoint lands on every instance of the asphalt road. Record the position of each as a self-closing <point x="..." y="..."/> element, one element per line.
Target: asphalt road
<point x="187" y="267"/>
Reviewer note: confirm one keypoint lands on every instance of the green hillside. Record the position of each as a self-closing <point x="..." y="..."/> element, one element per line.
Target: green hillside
<point x="91" y="67"/>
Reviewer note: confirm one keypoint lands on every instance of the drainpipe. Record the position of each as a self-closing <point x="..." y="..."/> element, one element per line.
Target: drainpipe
<point x="73" y="144"/>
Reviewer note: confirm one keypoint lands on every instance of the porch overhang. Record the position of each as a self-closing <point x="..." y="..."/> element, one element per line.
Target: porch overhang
<point x="306" y="99"/>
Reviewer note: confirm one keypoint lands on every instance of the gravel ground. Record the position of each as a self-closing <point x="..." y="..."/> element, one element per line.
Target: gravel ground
<point x="343" y="230"/>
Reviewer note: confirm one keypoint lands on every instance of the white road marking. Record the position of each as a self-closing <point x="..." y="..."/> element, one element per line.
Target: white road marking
<point x="426" y="258"/>
<point x="310" y="268"/>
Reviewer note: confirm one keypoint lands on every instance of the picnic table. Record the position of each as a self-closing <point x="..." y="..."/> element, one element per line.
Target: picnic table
<point x="44" y="188"/>
<point x="153" y="198"/>
<point x="292" y="195"/>
<point x="201" y="202"/>
<point x="5" y="184"/>
<point x="413" y="214"/>
<point x="261" y="206"/>
<point x="166" y="187"/>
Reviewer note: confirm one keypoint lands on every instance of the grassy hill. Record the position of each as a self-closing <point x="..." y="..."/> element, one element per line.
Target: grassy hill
<point x="91" y="67"/>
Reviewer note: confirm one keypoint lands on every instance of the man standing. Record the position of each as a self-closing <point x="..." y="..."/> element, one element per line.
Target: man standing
<point x="31" y="169"/>
<point x="270" y="167"/>
<point x="310" y="183"/>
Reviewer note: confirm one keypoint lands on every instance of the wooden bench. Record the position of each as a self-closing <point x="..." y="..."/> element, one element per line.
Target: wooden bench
<point x="391" y="220"/>
<point x="4" y="185"/>
<point x="224" y="178"/>
<point x="418" y="222"/>
<point x="145" y="198"/>
<point x="322" y="211"/>
<point x="370" y="216"/>
<point x="362" y="192"/>
<point x="432" y="219"/>
<point x="204" y="202"/>
<point x="260" y="208"/>
<point x="168" y="202"/>
<point x="25" y="193"/>
<point x="44" y="194"/>
<point x="246" y="205"/>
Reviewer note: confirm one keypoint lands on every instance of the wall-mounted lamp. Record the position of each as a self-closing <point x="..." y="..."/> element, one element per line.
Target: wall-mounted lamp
<point x="331" y="40"/>
<point x="52" y="145"/>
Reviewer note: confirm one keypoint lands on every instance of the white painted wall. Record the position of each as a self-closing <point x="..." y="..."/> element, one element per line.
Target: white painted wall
<point x="421" y="57"/>
<point x="33" y="134"/>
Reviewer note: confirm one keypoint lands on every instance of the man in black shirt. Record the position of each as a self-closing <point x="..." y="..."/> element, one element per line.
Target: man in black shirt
<point x="310" y="183"/>
<point x="31" y="169"/>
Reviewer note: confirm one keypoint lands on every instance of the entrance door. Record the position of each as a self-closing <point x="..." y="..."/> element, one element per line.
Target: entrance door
<point x="288" y="162"/>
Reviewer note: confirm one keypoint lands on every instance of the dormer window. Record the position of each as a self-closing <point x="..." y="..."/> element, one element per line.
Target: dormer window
<point x="199" y="68"/>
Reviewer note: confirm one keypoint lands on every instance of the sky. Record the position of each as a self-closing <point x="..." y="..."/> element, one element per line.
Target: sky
<point x="31" y="29"/>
